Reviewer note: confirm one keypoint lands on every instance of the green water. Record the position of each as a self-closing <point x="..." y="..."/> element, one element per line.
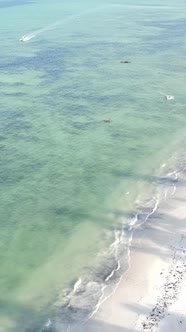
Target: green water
<point x="64" y="172"/>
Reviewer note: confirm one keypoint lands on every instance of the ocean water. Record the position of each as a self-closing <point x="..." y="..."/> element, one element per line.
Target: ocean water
<point x="73" y="187"/>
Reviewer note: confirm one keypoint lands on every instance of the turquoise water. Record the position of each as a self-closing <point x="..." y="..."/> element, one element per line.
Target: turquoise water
<point x="69" y="179"/>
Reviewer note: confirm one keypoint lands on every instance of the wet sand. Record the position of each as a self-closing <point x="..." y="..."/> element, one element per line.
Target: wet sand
<point x="150" y="296"/>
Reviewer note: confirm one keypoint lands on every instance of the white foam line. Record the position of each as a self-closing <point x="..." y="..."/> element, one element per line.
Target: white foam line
<point x="77" y="284"/>
<point x="176" y="178"/>
<point x="99" y="303"/>
<point x="47" y="324"/>
<point x="165" y="194"/>
<point x="102" y="299"/>
<point x="113" y="271"/>
<point x="107" y="297"/>
<point x="174" y="190"/>
<point x="154" y="209"/>
<point x="129" y="252"/>
<point x="132" y="230"/>
<point x="129" y="249"/>
<point x="133" y="221"/>
<point x="117" y="239"/>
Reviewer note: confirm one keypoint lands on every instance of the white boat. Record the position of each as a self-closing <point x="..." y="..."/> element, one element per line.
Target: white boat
<point x="167" y="97"/>
<point x="26" y="37"/>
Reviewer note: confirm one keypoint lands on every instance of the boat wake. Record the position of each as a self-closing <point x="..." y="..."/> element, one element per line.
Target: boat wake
<point x="27" y="37"/>
<point x="56" y="24"/>
<point x="63" y="21"/>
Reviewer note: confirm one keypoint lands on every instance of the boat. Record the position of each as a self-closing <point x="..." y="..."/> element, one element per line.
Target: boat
<point x="167" y="97"/>
<point x="26" y="37"/>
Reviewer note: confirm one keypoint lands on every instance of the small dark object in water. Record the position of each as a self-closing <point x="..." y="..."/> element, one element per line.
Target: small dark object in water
<point x="126" y="61"/>
<point x="107" y="120"/>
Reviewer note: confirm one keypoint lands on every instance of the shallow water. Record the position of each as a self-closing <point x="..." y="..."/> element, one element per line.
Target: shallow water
<point x="69" y="179"/>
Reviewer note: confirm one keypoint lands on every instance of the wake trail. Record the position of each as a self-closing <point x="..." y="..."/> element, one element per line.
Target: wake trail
<point x="53" y="26"/>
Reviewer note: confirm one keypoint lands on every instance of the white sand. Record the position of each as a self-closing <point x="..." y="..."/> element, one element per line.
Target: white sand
<point x="152" y="293"/>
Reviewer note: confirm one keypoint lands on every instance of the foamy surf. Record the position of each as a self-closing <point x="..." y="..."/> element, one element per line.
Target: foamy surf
<point x="89" y="293"/>
<point x="134" y="224"/>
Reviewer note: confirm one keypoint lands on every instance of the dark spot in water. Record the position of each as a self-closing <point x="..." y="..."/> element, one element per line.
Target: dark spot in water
<point x="125" y="61"/>
<point x="62" y="211"/>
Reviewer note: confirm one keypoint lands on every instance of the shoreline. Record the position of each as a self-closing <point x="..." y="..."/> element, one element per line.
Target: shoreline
<point x="92" y="300"/>
<point x="155" y="250"/>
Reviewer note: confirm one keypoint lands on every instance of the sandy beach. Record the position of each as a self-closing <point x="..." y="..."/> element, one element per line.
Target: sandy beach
<point x="151" y="294"/>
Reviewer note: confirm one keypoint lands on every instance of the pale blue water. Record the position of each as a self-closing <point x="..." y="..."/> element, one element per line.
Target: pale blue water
<point x="68" y="179"/>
